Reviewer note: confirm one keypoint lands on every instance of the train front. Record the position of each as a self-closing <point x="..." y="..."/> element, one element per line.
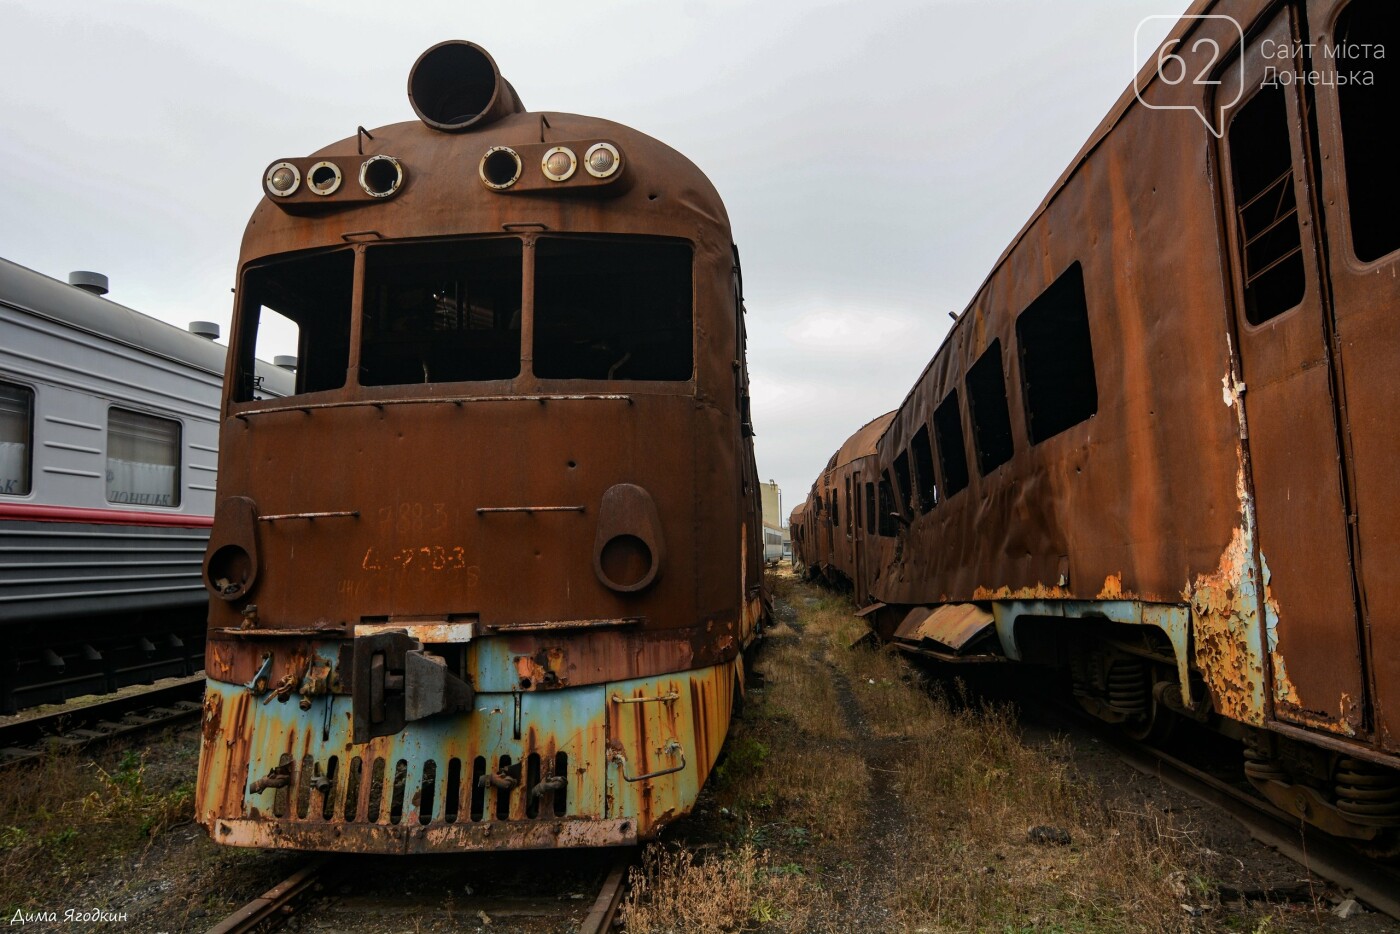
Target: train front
<point x="483" y="581"/>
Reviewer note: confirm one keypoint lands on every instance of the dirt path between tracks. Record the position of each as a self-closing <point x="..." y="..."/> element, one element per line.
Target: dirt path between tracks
<point x="854" y="795"/>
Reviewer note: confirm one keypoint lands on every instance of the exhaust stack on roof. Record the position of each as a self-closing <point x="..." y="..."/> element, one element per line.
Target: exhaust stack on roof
<point x="93" y="282"/>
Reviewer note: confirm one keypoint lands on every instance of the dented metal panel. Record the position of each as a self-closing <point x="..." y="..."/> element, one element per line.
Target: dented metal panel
<point x="953" y="625"/>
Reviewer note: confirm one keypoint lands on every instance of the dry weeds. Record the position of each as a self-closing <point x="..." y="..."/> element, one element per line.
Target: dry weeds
<point x="61" y="818"/>
<point x="940" y="845"/>
<point x="672" y="893"/>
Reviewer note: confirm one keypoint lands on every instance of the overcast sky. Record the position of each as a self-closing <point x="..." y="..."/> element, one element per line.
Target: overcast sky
<point x="876" y="156"/>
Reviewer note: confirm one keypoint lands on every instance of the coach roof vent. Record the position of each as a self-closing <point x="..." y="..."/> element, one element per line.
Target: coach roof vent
<point x="209" y="330"/>
<point x="93" y="282"/>
<point x="456" y="84"/>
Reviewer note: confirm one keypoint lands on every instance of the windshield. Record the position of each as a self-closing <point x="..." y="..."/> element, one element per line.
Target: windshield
<point x="601" y="308"/>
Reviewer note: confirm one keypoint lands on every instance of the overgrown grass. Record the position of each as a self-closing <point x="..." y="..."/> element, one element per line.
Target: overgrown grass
<point x="63" y="816"/>
<point x="961" y="789"/>
<point x="738" y="890"/>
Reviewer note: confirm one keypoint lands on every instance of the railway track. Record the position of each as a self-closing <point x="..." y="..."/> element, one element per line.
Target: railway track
<point x="296" y="895"/>
<point x="72" y="728"/>
<point x="1373" y="883"/>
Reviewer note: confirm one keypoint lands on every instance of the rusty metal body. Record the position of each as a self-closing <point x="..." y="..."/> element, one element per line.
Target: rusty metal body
<point x="499" y="612"/>
<point x="1162" y="429"/>
<point x="836" y="547"/>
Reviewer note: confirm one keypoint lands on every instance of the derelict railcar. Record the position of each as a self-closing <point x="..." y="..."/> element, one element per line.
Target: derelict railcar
<point x="484" y="580"/>
<point x="841" y="548"/>
<point x="797" y="522"/>
<point x="108" y="439"/>
<point x="1158" y="446"/>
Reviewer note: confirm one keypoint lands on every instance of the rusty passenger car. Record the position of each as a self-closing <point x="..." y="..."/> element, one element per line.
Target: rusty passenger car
<point x="485" y="579"/>
<point x="1158" y="447"/>
<point x="837" y="549"/>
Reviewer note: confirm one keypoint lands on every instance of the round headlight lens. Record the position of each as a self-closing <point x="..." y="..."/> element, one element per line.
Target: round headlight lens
<point x="282" y="179"/>
<point x="602" y="160"/>
<point x="559" y="163"/>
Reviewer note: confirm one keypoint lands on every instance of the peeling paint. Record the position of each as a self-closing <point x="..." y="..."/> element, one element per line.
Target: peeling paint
<point x="518" y="737"/>
<point x="1112" y="588"/>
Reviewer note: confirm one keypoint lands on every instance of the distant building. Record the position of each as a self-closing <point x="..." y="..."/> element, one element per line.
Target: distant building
<point x="772" y="504"/>
<point x="776" y="535"/>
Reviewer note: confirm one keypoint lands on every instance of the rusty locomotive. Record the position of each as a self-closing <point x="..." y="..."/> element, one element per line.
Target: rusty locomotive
<point x="1157" y="448"/>
<point x="485" y="579"/>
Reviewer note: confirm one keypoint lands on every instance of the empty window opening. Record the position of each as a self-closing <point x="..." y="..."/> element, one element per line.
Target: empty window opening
<point x="613" y="309"/>
<point x="1266" y="207"/>
<point x="835" y="507"/>
<point x="1367" y="120"/>
<point x="903" y="480"/>
<point x="888" y="523"/>
<point x="870" y="508"/>
<point x="952" y="450"/>
<point x="986" y="403"/>
<point x="441" y="312"/>
<point x="296" y="307"/>
<point x="16" y="439"/>
<point x="850" y="507"/>
<point x="924" y="483"/>
<point x="143" y="459"/>
<point x="1057" y="358"/>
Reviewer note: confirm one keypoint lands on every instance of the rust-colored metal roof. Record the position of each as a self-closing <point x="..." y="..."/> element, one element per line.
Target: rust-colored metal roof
<point x="862" y="443"/>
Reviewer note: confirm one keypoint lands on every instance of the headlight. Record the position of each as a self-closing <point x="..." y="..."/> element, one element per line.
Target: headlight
<point x="602" y="160"/>
<point x="559" y="163"/>
<point x="282" y="179"/>
<point x="500" y="167"/>
<point x="324" y="178"/>
<point x="381" y="176"/>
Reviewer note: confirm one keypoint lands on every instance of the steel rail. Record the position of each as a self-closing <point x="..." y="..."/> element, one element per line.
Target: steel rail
<point x="600" y="917"/>
<point x="1376" y="885"/>
<point x="72" y="728"/>
<point x="276" y="904"/>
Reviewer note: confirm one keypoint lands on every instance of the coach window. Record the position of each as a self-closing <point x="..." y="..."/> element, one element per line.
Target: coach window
<point x="851" y="507"/>
<point x="143" y="459"/>
<point x="301" y="303"/>
<point x="614" y="308"/>
<point x="889" y="524"/>
<point x="1057" y="358"/>
<point x="952" y="450"/>
<point x="870" y="508"/>
<point x="1266" y="211"/>
<point x="924" y="482"/>
<point x="906" y="487"/>
<point x="446" y="312"/>
<point x="986" y="403"/>
<point x="835" y="507"/>
<point x="16" y="439"/>
<point x="1367" y="109"/>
